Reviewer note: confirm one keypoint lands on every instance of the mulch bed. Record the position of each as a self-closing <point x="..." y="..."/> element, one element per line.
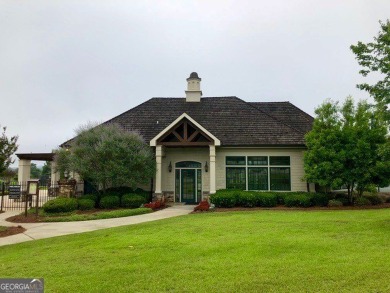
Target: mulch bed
<point x="23" y="219"/>
<point x="12" y="231"/>
<point x="32" y="218"/>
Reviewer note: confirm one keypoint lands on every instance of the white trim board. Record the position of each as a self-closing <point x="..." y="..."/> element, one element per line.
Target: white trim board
<point x="153" y="142"/>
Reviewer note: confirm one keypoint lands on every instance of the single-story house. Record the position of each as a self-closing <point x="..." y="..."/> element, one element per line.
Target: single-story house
<point x="203" y="144"/>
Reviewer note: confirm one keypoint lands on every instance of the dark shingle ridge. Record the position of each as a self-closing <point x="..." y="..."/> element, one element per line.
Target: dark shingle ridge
<point x="309" y="117"/>
<point x="233" y="121"/>
<point x="253" y="104"/>
<point x="290" y="114"/>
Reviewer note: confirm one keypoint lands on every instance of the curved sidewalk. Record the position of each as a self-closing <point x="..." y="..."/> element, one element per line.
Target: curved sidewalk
<point x="47" y="230"/>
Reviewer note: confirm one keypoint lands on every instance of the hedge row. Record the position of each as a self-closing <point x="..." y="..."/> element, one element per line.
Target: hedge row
<point x="91" y="201"/>
<point x="238" y="198"/>
<point x="108" y="201"/>
<point x="123" y="190"/>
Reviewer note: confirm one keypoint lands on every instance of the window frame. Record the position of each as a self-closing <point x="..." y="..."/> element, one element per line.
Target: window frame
<point x="247" y="166"/>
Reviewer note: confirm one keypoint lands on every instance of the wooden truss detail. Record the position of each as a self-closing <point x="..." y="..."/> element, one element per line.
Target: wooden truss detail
<point x="185" y="133"/>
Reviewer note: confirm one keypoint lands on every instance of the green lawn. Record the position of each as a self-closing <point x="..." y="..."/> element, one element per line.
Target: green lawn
<point x="258" y="251"/>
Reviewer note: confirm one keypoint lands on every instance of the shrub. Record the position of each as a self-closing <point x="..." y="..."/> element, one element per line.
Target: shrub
<point x="266" y="199"/>
<point x="224" y="198"/>
<point x="109" y="202"/>
<point x="110" y="193"/>
<point x="375" y="199"/>
<point x="139" y="191"/>
<point x="118" y="191"/>
<point x="343" y="197"/>
<point x="319" y="199"/>
<point x="245" y="199"/>
<point x="335" y="203"/>
<point x="203" y="206"/>
<point x="86" y="204"/>
<point x="388" y="199"/>
<point x="298" y="200"/>
<point x="132" y="200"/>
<point x="281" y="196"/>
<point x="155" y="205"/>
<point x="93" y="197"/>
<point x="362" y="201"/>
<point x="60" y="205"/>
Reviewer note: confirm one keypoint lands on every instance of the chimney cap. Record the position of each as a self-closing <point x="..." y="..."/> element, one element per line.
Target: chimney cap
<point x="194" y="75"/>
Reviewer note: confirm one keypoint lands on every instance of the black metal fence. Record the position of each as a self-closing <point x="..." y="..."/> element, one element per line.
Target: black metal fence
<point x="15" y="195"/>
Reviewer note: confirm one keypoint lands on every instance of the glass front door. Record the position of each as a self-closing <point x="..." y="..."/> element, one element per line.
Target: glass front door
<point x="188" y="182"/>
<point x="188" y="185"/>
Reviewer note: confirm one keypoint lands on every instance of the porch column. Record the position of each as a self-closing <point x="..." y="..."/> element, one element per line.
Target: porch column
<point x="159" y="155"/>
<point x="55" y="176"/>
<point x="24" y="170"/>
<point x="212" y="170"/>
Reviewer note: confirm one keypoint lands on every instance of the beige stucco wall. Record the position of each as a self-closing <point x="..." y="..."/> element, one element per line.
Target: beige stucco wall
<point x="201" y="155"/>
<point x="296" y="163"/>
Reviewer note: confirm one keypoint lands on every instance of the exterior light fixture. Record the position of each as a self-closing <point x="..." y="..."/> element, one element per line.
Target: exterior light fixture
<point x="170" y="167"/>
<point x="66" y="174"/>
<point x="206" y="167"/>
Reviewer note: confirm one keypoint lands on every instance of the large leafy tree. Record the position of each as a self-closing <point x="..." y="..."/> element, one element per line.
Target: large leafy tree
<point x="46" y="170"/>
<point x="35" y="171"/>
<point x="106" y="155"/>
<point x="8" y="146"/>
<point x="374" y="57"/>
<point x="323" y="162"/>
<point x="10" y="175"/>
<point x="348" y="146"/>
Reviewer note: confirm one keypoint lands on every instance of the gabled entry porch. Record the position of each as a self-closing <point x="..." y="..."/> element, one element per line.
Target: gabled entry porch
<point x="185" y="160"/>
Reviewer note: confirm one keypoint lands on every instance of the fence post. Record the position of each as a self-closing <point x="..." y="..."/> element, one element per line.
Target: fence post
<point x="2" y="195"/>
<point x="25" y="206"/>
<point x="37" y="200"/>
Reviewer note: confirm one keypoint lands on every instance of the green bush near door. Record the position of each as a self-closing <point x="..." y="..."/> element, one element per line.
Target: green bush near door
<point x="230" y="198"/>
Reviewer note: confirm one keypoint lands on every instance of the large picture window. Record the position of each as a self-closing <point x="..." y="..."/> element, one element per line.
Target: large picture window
<point x="280" y="178"/>
<point x="258" y="173"/>
<point x="236" y="178"/>
<point x="257" y="178"/>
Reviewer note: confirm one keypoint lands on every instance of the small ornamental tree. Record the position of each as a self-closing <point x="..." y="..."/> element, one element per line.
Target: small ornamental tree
<point x="348" y="146"/>
<point x="8" y="147"/>
<point x="106" y="155"/>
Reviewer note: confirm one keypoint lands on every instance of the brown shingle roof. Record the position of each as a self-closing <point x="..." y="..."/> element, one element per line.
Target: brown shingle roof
<point x="287" y="113"/>
<point x="233" y="121"/>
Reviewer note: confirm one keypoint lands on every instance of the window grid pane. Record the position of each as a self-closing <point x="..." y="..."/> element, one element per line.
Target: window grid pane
<point x="280" y="178"/>
<point x="279" y="161"/>
<point x="236" y="178"/>
<point x="235" y="160"/>
<point x="188" y="164"/>
<point x="255" y="161"/>
<point x="199" y="182"/>
<point x="257" y="178"/>
<point x="177" y="185"/>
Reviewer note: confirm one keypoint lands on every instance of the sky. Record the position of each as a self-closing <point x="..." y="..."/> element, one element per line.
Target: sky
<point x="66" y="63"/>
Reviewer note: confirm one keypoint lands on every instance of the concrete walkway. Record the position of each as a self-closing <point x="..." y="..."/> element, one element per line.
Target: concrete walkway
<point x="47" y="230"/>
